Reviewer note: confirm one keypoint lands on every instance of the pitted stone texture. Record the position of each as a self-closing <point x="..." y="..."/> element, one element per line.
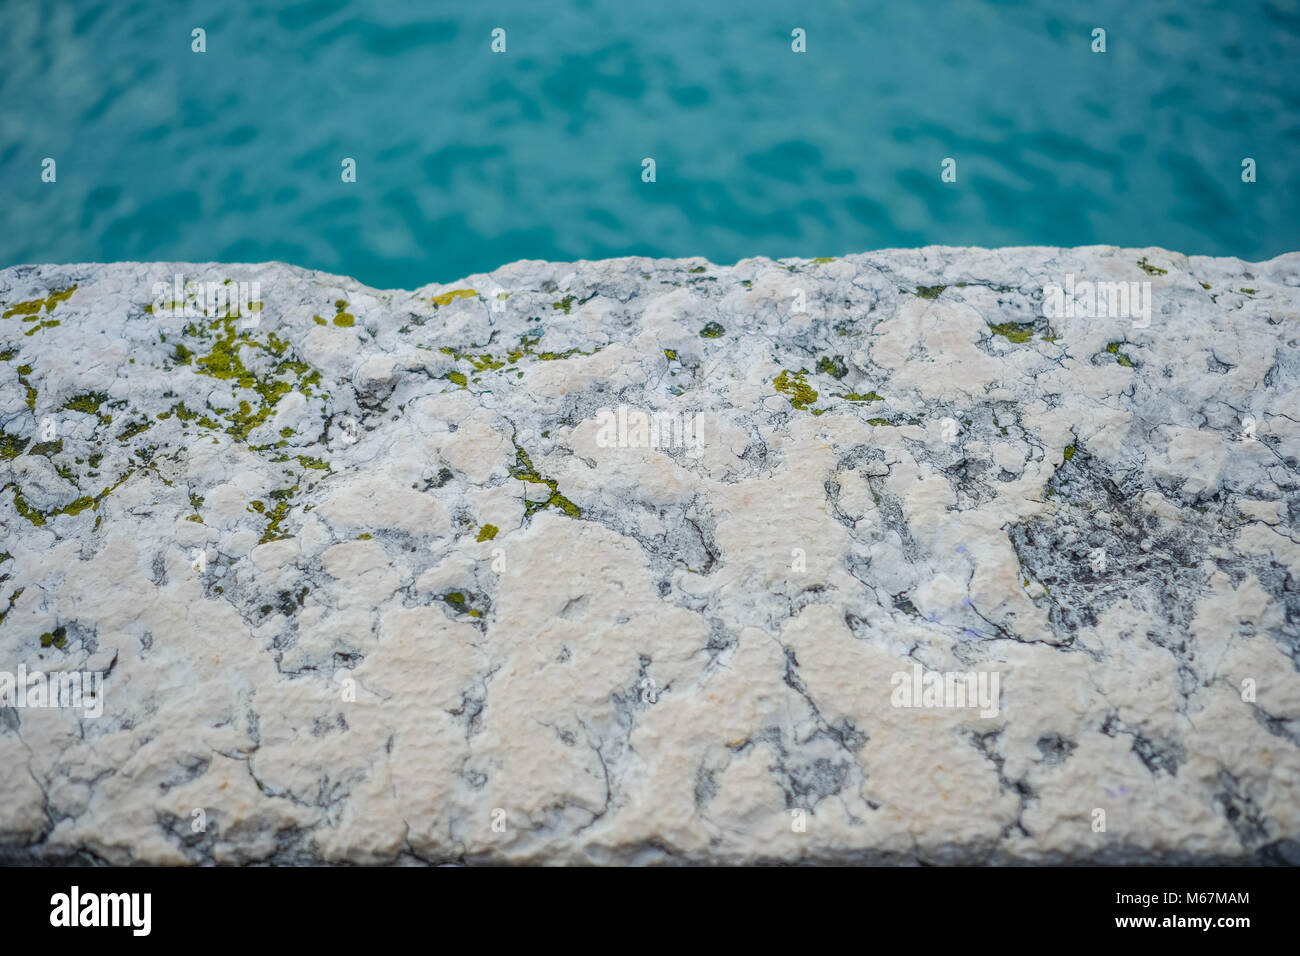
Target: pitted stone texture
<point x="379" y="588"/>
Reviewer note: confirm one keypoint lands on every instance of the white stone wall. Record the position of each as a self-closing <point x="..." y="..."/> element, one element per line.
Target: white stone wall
<point x="381" y="576"/>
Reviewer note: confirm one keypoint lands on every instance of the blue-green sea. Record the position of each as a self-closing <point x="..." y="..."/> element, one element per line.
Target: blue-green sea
<point x="467" y="159"/>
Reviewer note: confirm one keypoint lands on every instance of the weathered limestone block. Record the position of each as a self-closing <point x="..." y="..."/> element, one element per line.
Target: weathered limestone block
<point x="857" y="560"/>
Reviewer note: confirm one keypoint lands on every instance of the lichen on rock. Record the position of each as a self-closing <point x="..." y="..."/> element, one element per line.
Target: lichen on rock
<point x="656" y="565"/>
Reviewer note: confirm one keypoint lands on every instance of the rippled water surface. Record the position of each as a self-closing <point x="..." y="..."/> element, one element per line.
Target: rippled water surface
<point x="468" y="159"/>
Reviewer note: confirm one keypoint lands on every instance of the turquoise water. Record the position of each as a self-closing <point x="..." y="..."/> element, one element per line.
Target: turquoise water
<point x="468" y="159"/>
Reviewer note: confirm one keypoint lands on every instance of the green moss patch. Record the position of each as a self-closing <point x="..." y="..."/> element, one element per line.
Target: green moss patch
<point x="34" y="307"/>
<point x="13" y="599"/>
<point x="11" y="446"/>
<point x="484" y="362"/>
<point x="135" y="428"/>
<point x="1018" y="332"/>
<point x="447" y="298"/>
<point x="283" y="500"/>
<point x="833" y="365"/>
<point x="524" y="471"/>
<point x="226" y="362"/>
<point x="38" y="518"/>
<point x="457" y="602"/>
<point x="795" y="388"/>
<point x="1120" y="357"/>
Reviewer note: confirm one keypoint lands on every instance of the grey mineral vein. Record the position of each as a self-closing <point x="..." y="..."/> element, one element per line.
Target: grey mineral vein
<point x="372" y="577"/>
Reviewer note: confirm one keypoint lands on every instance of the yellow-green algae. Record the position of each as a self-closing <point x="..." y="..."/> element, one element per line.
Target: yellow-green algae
<point x="1120" y="357"/>
<point x="47" y="324"/>
<point x="799" y="392"/>
<point x="833" y="366"/>
<point x="23" y="372"/>
<point x="39" y="518"/>
<point x="224" y="362"/>
<point x="33" y="307"/>
<point x="488" y="532"/>
<point x="88" y="403"/>
<point x="524" y="471"/>
<point x="11" y="446"/>
<point x="13" y="599"/>
<point x="447" y="298"/>
<point x="456" y="600"/>
<point x="135" y="428"/>
<point x="483" y="362"/>
<point x="1018" y="332"/>
<point x="342" y="317"/>
<point x="283" y="498"/>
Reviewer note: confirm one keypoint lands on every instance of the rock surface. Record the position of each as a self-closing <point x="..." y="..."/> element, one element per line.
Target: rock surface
<point x="389" y="577"/>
